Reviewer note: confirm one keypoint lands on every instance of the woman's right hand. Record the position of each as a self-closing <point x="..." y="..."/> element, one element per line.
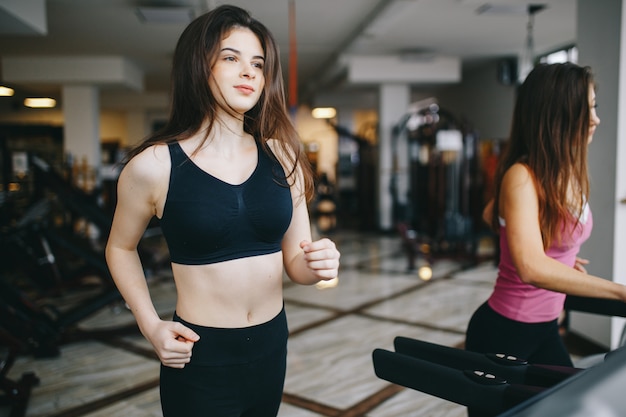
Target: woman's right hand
<point x="172" y="342"/>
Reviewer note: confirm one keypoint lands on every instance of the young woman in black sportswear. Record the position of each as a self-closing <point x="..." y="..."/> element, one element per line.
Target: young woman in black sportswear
<point x="228" y="180"/>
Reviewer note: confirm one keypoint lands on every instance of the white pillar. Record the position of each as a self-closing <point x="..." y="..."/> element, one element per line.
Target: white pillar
<point x="81" y="111"/>
<point x="394" y="100"/>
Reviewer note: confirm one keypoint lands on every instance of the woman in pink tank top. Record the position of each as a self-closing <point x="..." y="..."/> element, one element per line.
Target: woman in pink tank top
<point x="541" y="213"/>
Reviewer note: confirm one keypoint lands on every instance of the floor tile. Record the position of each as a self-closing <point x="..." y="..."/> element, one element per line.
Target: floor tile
<point x="332" y="364"/>
<point x="84" y="372"/>
<point x="146" y="404"/>
<point x="411" y="403"/>
<point x="445" y="304"/>
<point x="354" y="289"/>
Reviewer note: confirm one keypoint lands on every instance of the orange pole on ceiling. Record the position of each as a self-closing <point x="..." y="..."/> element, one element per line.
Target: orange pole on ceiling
<point x="293" y="59"/>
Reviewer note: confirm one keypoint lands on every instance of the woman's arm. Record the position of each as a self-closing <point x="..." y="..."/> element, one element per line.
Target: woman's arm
<point x="519" y="207"/>
<point x="137" y="194"/>
<point x="488" y="212"/>
<point x="305" y="262"/>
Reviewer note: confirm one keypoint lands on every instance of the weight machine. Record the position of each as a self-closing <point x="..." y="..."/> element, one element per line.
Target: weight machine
<point x="46" y="255"/>
<point x="435" y="184"/>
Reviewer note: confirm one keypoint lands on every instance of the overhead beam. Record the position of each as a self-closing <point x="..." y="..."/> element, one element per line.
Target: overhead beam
<point x="23" y="17"/>
<point x="381" y="69"/>
<point x="329" y="69"/>
<point x="94" y="70"/>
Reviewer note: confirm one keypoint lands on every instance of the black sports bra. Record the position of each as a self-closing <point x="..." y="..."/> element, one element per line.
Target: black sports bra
<point x="206" y="220"/>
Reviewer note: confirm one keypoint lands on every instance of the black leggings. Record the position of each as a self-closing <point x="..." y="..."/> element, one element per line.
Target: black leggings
<point x="539" y="343"/>
<point x="233" y="372"/>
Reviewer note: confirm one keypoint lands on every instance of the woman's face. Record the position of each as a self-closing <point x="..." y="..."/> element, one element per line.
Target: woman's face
<point x="595" y="120"/>
<point x="237" y="79"/>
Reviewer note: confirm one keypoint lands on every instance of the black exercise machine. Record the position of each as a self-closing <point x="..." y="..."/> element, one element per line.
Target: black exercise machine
<point x="29" y="325"/>
<point x="488" y="384"/>
<point x="42" y="256"/>
<point x="15" y="393"/>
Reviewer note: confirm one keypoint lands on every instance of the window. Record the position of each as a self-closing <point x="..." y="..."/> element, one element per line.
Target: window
<point x="569" y="54"/>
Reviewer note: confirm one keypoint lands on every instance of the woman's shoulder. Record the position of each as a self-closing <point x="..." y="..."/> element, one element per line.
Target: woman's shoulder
<point x="518" y="194"/>
<point x="518" y="174"/>
<point x="274" y="145"/>
<point x="152" y="163"/>
<point x="281" y="152"/>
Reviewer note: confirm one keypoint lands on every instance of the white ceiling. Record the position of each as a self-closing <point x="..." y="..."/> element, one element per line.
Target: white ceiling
<point x="326" y="30"/>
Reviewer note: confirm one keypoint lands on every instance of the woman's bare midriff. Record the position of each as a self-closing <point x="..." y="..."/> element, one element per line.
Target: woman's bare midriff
<point x="239" y="293"/>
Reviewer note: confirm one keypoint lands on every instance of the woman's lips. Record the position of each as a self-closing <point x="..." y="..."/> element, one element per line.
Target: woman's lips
<point x="246" y="89"/>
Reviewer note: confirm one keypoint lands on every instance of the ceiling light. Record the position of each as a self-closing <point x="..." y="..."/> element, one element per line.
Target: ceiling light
<point x="324" y="112"/>
<point x="6" y="91"/>
<point x="165" y="14"/>
<point x="40" y="102"/>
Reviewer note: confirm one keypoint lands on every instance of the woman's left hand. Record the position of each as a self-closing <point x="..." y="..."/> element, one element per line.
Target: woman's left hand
<point x="579" y="264"/>
<point x="322" y="258"/>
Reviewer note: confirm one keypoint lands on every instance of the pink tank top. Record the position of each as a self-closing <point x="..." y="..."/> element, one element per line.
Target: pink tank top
<point x="526" y="303"/>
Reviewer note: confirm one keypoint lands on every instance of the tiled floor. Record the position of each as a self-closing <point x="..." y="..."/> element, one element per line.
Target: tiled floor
<point x="333" y="332"/>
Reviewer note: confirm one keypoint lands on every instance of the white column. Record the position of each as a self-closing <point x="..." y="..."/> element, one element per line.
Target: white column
<point x="81" y="111"/>
<point x="394" y="100"/>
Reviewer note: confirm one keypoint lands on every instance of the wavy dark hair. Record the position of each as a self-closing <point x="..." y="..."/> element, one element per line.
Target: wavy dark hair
<point x="549" y="134"/>
<point x="193" y="103"/>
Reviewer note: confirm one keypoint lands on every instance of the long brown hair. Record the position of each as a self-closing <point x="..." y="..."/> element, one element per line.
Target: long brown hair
<point x="549" y="134"/>
<point x="192" y="102"/>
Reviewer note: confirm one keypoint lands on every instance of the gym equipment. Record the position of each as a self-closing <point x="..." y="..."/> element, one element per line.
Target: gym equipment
<point x="597" y="391"/>
<point x="77" y="202"/>
<point x="46" y="255"/>
<point x="478" y="389"/>
<point x="435" y="183"/>
<point x="356" y="172"/>
<point x="324" y="207"/>
<point x="40" y="326"/>
<point x="498" y="385"/>
<point x="55" y="258"/>
<point x="16" y="393"/>
<point x="490" y="384"/>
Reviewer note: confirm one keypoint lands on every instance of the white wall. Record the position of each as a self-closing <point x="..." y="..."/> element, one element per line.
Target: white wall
<point x="481" y="100"/>
<point x="599" y="46"/>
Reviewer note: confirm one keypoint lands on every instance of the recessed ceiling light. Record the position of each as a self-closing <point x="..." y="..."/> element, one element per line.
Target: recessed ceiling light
<point x="6" y="91"/>
<point x="324" y="112"/>
<point x="40" y="102"/>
